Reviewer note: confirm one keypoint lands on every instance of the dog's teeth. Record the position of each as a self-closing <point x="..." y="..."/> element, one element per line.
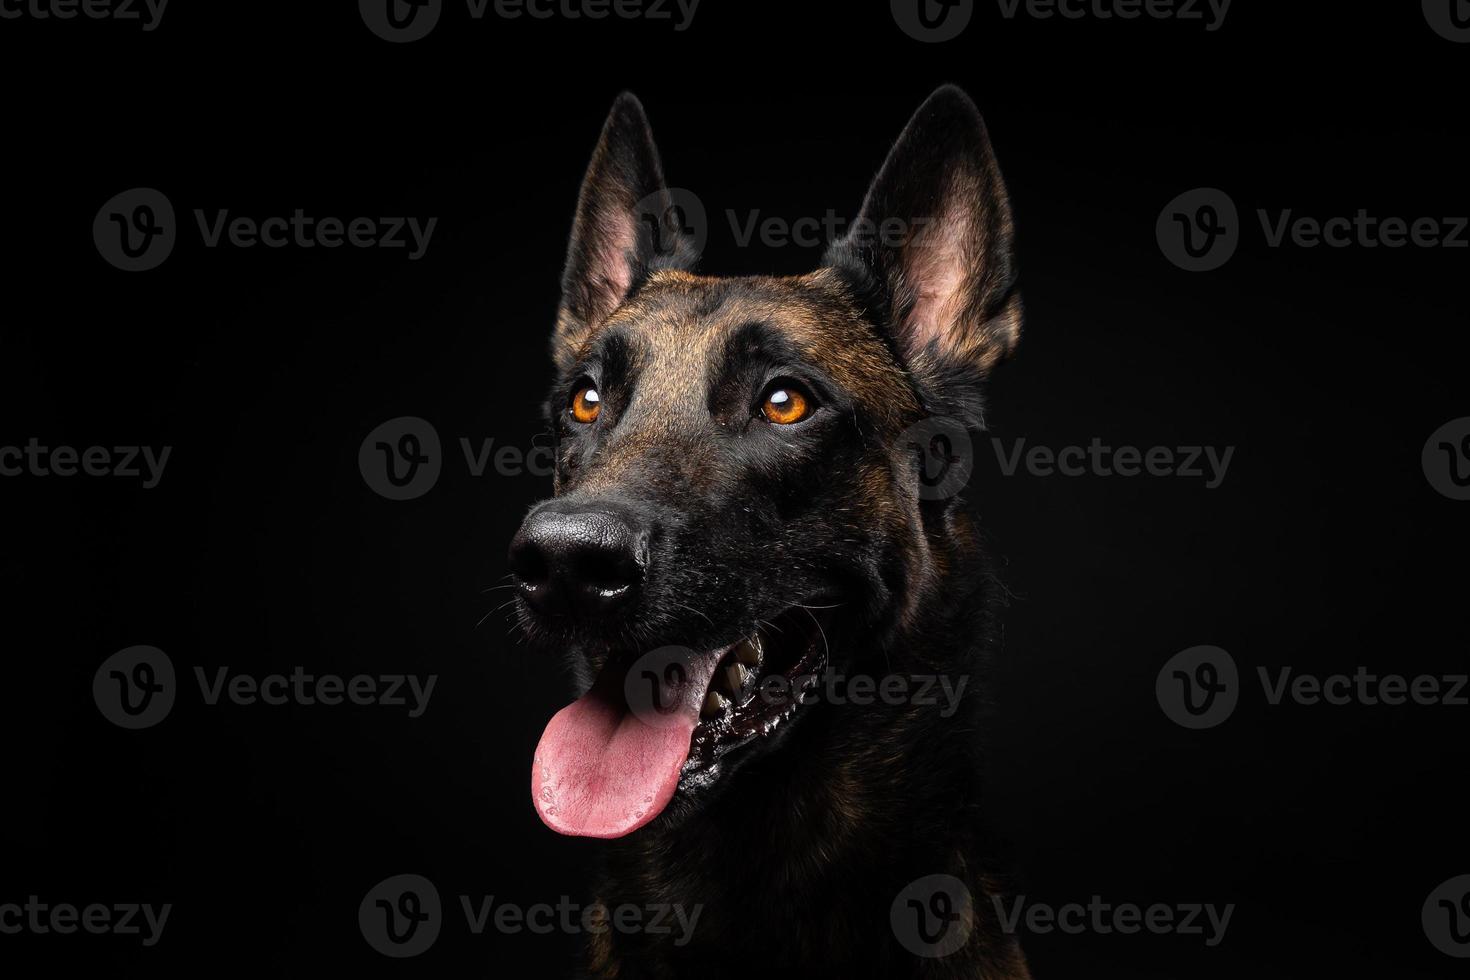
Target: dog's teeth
<point x="714" y="705"/>
<point x="735" y="677"/>
<point x="749" y="652"/>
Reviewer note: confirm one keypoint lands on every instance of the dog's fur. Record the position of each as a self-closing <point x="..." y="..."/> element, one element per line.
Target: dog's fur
<point x="798" y="849"/>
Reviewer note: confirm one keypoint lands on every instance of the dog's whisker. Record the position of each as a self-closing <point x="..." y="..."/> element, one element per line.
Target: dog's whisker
<point x="493" y="612"/>
<point x="827" y="649"/>
<point x="697" y="612"/>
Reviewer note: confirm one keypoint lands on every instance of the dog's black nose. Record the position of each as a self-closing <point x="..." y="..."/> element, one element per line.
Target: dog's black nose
<point x="584" y="561"/>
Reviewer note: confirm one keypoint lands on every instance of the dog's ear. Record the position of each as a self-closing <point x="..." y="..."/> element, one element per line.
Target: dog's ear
<point x="619" y="236"/>
<point x="935" y="239"/>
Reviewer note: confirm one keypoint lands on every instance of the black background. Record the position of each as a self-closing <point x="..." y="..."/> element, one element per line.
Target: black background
<point x="263" y="549"/>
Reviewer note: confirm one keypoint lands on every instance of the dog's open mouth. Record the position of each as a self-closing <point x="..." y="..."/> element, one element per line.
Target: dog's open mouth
<point x="612" y="760"/>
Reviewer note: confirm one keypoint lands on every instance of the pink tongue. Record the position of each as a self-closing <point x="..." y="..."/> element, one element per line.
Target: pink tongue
<point x="603" y="770"/>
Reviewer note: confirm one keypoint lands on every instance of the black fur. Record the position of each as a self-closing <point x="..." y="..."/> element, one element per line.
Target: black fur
<point x="795" y="846"/>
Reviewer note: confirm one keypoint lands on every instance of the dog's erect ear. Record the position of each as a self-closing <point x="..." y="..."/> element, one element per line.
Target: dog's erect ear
<point x="619" y="236"/>
<point x="935" y="231"/>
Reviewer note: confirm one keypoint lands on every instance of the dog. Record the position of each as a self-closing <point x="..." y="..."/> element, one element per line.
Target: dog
<point x="739" y="517"/>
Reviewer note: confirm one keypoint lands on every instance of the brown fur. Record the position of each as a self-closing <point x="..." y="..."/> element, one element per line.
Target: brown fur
<point x="805" y="837"/>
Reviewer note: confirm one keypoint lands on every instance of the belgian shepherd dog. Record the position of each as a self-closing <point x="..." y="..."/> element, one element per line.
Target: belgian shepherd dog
<point x="741" y="517"/>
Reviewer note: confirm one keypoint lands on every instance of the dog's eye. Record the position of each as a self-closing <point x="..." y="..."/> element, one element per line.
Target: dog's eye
<point x="786" y="403"/>
<point x="586" y="404"/>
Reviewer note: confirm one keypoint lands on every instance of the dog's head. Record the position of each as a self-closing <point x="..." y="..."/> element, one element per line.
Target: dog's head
<point x="736" y="502"/>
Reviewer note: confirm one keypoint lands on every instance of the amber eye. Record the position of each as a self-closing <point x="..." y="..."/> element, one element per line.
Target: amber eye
<point x="586" y="403"/>
<point x="785" y="404"/>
